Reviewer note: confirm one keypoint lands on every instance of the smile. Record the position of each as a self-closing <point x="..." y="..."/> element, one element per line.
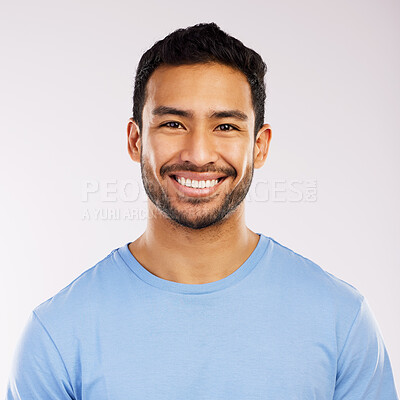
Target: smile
<point x="197" y="184"/>
<point x="196" y="188"/>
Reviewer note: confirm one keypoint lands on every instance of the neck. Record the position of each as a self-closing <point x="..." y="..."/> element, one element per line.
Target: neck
<point x="194" y="256"/>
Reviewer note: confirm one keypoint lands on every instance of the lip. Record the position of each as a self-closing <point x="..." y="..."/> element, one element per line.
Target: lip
<point x="193" y="192"/>
<point x="198" y="176"/>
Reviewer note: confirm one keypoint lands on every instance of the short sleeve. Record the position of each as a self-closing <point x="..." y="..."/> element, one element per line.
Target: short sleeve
<point x="38" y="371"/>
<point x="364" y="370"/>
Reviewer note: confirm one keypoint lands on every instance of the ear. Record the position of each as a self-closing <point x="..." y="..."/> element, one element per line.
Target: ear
<point x="261" y="145"/>
<point x="134" y="139"/>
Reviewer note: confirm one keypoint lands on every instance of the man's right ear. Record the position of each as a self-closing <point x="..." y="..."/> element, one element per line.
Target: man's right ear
<point x="134" y="139"/>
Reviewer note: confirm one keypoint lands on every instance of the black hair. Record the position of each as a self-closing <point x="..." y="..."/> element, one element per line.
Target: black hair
<point x="200" y="44"/>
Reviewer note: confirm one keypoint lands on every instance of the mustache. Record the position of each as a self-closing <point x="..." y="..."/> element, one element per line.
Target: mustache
<point x="169" y="169"/>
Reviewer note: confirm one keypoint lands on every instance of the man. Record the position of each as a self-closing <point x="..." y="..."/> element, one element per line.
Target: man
<point x="199" y="306"/>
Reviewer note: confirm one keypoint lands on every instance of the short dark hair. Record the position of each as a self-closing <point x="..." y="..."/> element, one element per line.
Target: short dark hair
<point x="200" y="44"/>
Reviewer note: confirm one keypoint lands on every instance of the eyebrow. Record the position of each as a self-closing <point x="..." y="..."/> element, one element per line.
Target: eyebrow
<point x="164" y="110"/>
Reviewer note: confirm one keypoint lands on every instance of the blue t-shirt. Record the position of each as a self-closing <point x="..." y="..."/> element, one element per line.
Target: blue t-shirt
<point x="278" y="328"/>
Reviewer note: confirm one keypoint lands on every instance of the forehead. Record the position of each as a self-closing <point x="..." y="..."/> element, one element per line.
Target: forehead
<point x="199" y="87"/>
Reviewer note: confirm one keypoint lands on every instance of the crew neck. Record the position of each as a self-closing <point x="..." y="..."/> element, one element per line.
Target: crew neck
<point x="188" y="288"/>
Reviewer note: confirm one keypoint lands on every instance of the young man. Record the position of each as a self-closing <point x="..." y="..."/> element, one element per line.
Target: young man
<point x="199" y="306"/>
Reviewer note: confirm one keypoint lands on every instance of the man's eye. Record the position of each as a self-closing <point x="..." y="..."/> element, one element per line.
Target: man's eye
<point x="171" y="124"/>
<point x="226" y="127"/>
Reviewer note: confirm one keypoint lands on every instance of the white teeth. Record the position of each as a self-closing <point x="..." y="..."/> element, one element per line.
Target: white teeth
<point x="196" y="184"/>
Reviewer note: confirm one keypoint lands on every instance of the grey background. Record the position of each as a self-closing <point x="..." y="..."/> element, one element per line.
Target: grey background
<point x="67" y="74"/>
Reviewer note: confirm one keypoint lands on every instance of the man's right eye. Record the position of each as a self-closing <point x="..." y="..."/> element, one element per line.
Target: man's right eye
<point x="171" y="124"/>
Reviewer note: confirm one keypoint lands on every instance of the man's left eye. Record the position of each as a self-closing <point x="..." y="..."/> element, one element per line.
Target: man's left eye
<point x="226" y="127"/>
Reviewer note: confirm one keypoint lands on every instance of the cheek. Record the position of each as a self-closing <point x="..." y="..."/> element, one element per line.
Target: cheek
<point x="158" y="153"/>
<point x="239" y="155"/>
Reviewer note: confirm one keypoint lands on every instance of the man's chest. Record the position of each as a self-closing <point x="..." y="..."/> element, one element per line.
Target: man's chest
<point x="219" y="357"/>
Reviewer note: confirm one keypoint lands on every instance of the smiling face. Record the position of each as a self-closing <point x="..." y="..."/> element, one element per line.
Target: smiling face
<point x="197" y="146"/>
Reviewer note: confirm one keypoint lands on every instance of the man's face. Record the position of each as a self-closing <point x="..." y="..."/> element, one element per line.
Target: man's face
<point x="198" y="128"/>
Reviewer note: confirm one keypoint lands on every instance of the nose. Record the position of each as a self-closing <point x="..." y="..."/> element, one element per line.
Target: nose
<point x="199" y="148"/>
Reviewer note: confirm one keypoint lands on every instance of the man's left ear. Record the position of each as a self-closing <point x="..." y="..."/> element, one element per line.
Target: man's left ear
<point x="261" y="145"/>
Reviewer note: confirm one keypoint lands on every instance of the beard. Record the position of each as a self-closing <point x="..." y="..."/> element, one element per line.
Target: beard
<point x="194" y="218"/>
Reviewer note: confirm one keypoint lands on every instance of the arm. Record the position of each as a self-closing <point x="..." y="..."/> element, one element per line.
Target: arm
<point x="38" y="371"/>
<point x="364" y="370"/>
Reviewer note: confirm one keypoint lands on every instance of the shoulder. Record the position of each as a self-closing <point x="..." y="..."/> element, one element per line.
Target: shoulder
<point x="300" y="273"/>
<point x="79" y="296"/>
